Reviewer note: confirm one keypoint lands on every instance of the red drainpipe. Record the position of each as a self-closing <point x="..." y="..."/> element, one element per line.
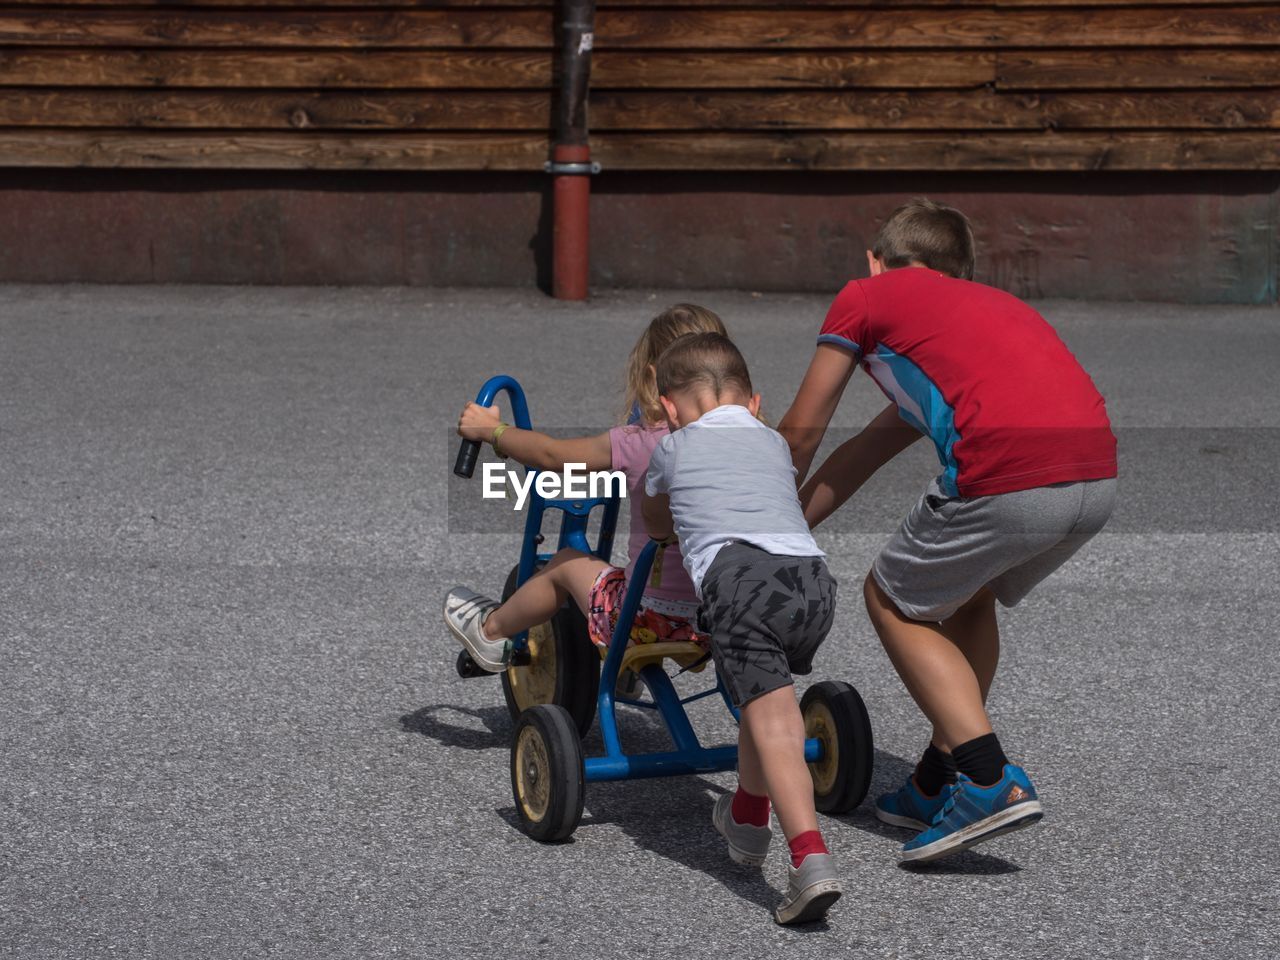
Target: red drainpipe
<point x="570" y="165"/>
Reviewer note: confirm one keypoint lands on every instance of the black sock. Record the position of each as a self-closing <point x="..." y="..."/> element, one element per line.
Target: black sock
<point x="981" y="760"/>
<point x="935" y="769"/>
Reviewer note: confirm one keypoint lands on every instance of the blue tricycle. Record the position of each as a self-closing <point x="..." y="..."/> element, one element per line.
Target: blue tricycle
<point x="555" y="683"/>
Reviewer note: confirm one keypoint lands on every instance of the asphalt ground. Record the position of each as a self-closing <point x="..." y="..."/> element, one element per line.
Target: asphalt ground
<point x="230" y="724"/>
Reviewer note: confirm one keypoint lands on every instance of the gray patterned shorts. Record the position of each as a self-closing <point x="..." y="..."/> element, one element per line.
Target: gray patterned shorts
<point x="767" y="616"/>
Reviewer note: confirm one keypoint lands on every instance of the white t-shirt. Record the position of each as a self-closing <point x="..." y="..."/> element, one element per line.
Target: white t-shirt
<point x="730" y="478"/>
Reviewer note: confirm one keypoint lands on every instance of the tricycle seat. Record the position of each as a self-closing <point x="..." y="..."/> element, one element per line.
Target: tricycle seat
<point x="640" y="655"/>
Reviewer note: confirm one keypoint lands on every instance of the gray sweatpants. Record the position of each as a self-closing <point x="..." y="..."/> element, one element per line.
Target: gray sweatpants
<point x="949" y="548"/>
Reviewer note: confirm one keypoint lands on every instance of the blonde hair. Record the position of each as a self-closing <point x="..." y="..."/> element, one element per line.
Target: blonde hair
<point x="641" y="390"/>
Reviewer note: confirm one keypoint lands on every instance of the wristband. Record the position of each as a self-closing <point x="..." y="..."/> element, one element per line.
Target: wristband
<point x="498" y="431"/>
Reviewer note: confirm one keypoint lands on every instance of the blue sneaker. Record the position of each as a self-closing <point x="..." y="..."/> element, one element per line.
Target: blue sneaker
<point x="908" y="807"/>
<point x="973" y="814"/>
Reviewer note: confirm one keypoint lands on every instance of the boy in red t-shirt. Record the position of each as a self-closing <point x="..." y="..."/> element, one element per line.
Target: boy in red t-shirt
<point x="1028" y="476"/>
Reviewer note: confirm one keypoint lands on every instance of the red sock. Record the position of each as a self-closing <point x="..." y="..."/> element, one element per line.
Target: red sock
<point x="748" y="808"/>
<point x="804" y="844"/>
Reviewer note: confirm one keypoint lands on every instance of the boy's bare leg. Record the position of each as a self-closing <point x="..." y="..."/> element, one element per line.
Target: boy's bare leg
<point x="570" y="573"/>
<point x="771" y="759"/>
<point x="975" y="631"/>
<point x="935" y="671"/>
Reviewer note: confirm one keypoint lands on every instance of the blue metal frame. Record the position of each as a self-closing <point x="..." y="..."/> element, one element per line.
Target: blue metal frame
<point x="577" y="513"/>
<point x="689" y="755"/>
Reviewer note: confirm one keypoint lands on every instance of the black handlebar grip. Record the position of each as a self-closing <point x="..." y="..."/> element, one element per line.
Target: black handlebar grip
<point x="468" y="453"/>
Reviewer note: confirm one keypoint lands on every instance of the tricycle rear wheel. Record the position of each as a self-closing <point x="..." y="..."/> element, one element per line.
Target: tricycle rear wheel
<point x="836" y="717"/>
<point x="563" y="668"/>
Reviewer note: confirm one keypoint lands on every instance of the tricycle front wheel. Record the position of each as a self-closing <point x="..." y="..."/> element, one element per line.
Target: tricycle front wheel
<point x="546" y="773"/>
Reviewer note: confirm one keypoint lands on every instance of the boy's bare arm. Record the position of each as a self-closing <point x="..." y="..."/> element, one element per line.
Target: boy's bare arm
<point x="532" y="448"/>
<point x="853" y="463"/>
<point x="657" y="516"/>
<point x="805" y="423"/>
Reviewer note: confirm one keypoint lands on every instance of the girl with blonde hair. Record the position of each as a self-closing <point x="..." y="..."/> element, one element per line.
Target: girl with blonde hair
<point x="668" y="610"/>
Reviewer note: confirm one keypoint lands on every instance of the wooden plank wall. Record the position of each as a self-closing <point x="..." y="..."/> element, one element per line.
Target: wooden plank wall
<point x="676" y="85"/>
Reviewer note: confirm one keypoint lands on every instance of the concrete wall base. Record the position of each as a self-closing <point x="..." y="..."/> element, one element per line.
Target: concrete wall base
<point x="1183" y="237"/>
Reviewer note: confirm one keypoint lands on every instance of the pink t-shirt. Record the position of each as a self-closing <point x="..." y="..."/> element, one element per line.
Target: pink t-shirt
<point x="631" y="447"/>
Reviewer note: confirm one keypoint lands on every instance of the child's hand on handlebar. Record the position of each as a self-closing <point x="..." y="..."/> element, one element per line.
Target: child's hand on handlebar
<point x="477" y="422"/>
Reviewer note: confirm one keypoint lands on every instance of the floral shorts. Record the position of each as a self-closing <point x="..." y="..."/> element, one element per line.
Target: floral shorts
<point x="607" y="594"/>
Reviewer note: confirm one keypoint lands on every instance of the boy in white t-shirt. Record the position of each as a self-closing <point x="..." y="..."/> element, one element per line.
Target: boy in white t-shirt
<point x="723" y="482"/>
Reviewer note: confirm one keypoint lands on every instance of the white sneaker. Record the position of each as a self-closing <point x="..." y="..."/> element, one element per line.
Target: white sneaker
<point x="464" y="613"/>
<point x="811" y="890"/>
<point x="748" y="844"/>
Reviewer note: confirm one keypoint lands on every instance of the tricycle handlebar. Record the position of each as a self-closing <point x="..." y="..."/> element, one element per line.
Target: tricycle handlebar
<point x="469" y="451"/>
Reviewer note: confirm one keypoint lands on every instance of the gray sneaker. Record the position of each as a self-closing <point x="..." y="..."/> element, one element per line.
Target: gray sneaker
<point x="811" y="890"/>
<point x="748" y="844"/>
<point x="464" y="612"/>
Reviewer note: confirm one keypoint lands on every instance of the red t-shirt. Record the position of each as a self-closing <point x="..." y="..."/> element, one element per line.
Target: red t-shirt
<point x="1006" y="404"/>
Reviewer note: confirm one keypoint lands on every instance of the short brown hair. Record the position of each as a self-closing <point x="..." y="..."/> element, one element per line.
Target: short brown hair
<point x="707" y="360"/>
<point x="923" y="231"/>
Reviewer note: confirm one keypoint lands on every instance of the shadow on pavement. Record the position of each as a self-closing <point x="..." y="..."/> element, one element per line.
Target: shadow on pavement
<point x="965" y="864"/>
<point x="671" y="817"/>
<point x="432" y="721"/>
<point x="686" y="838"/>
